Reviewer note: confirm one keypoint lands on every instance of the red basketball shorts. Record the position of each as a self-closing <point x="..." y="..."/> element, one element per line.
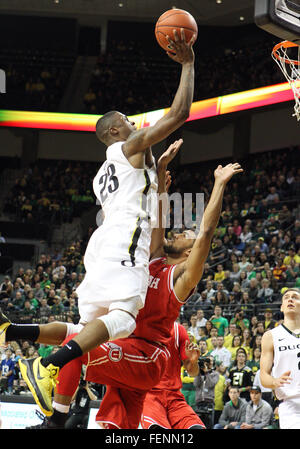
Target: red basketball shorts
<point x="128" y="367"/>
<point x="168" y="409"/>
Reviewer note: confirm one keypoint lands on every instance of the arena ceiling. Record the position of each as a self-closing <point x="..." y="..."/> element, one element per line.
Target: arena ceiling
<point x="206" y="12"/>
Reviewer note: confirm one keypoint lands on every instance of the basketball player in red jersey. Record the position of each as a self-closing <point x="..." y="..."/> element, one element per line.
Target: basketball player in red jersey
<point x="130" y="367"/>
<point x="164" y="405"/>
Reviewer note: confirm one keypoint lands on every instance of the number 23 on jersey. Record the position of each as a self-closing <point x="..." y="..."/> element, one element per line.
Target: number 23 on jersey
<point x="108" y="182"/>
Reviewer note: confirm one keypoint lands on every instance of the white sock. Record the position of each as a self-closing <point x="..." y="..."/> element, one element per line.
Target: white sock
<point x="60" y="407"/>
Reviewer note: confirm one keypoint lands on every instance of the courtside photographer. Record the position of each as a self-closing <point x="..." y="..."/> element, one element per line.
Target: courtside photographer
<point x="205" y="390"/>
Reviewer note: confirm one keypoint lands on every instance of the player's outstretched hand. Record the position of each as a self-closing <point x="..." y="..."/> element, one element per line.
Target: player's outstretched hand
<point x="192" y="351"/>
<point x="224" y="174"/>
<point x="169" y="154"/>
<point x="180" y="50"/>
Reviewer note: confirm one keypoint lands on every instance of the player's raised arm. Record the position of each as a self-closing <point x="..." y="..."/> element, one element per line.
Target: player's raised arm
<point x="180" y="109"/>
<point x="164" y="181"/>
<point x="188" y="274"/>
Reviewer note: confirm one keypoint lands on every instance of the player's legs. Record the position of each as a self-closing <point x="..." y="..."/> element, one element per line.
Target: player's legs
<point x="41" y="374"/>
<point x="51" y="333"/>
<point x="180" y="414"/>
<point x="120" y="408"/>
<point x="155" y="411"/>
<point x="68" y="380"/>
<point x="125" y="363"/>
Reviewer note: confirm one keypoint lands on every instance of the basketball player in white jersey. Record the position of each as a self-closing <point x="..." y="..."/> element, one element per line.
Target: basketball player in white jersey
<point x="117" y="254"/>
<point x="280" y="361"/>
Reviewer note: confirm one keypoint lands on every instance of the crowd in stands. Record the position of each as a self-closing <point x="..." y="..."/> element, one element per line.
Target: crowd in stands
<point x="36" y="79"/>
<point x="255" y="255"/>
<point x="51" y="192"/>
<point x="232" y="346"/>
<point x="133" y="78"/>
<point x="41" y="294"/>
<point x="256" y="248"/>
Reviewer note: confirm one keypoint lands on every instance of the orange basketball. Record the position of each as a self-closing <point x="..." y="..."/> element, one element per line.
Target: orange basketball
<point x="174" y="19"/>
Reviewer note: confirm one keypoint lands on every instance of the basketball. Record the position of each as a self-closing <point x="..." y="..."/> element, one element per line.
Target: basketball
<point x="174" y="19"/>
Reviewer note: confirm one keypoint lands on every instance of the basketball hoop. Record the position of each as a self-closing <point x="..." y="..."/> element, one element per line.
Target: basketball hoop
<point x="287" y="56"/>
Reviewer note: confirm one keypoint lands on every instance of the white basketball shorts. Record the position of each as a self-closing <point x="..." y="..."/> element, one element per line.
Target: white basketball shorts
<point x="289" y="413"/>
<point x="116" y="276"/>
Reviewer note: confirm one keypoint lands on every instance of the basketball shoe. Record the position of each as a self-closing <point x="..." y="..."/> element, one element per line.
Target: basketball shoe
<point x="4" y="323"/>
<point x="46" y="423"/>
<point x="41" y="381"/>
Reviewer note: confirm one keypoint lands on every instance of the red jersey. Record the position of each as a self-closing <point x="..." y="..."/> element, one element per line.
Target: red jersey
<point x="155" y="321"/>
<point x="171" y="380"/>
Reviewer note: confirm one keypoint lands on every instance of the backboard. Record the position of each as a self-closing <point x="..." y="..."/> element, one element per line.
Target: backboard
<point x="279" y="17"/>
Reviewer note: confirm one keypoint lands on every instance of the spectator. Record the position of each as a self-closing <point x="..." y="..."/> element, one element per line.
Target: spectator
<point x="209" y="290"/>
<point x="219" y="321"/>
<point x="237" y="228"/>
<point x="236" y="293"/>
<point x="239" y="319"/>
<point x="244" y="281"/>
<point x="219" y="251"/>
<point x="236" y="343"/>
<point x="58" y="308"/>
<point x="273" y="195"/>
<point x="279" y="270"/>
<point x="220" y="274"/>
<point x="188" y="388"/>
<point x="253" y="290"/>
<point x="259" y="329"/>
<point x="254" y="361"/>
<point x="246" y="341"/>
<point x="269" y="322"/>
<point x="246" y="234"/>
<point x="227" y="282"/>
<point x="45" y="350"/>
<point x="272" y="227"/>
<point x="205" y="384"/>
<point x="203" y="347"/>
<point x="79" y="413"/>
<point x="292" y="256"/>
<point x="220" y="388"/>
<point x="5" y="287"/>
<point x="203" y="301"/>
<point x="208" y="273"/>
<point x="262" y="245"/>
<point x="44" y="310"/>
<point x="234" y="412"/>
<point x="7" y="372"/>
<point x="18" y="302"/>
<point x="212" y="339"/>
<point x="201" y="320"/>
<point x="220" y="353"/>
<point x="240" y="375"/>
<point x="236" y="273"/>
<point x="259" y="413"/>
<point x="28" y="312"/>
<point x="256" y="343"/>
<point x="267" y="393"/>
<point x="265" y="293"/>
<point x="229" y="337"/>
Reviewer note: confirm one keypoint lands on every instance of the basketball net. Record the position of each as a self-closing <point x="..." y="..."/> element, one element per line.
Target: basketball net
<point x="290" y="68"/>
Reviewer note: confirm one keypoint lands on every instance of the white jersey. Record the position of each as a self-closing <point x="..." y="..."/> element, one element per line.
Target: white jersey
<point x="117" y="255"/>
<point x="124" y="192"/>
<point x="286" y="358"/>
